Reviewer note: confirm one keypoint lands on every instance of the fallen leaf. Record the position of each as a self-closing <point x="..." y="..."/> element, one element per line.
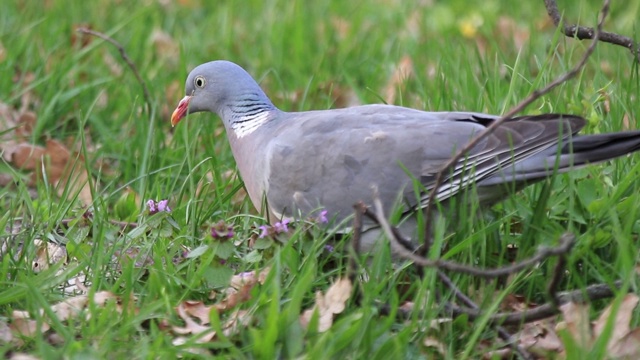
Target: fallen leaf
<point x="626" y="122"/>
<point x="165" y="46"/>
<point x="23" y="356"/>
<point x="23" y="156"/>
<point x="402" y="72"/>
<point x="628" y="347"/>
<point x="67" y="170"/>
<point x="539" y="337"/>
<point x="341" y="27"/>
<point x="237" y="319"/>
<point x="64" y="170"/>
<point x="112" y="64"/>
<point x="334" y="302"/>
<point x="197" y="309"/>
<point x="435" y="344"/>
<point x="509" y="27"/>
<point x="248" y="278"/>
<point x="23" y="325"/>
<point x="3" y="52"/>
<point x="6" y="336"/>
<point x="576" y="322"/>
<point x="48" y="253"/>
<point x="80" y="38"/>
<point x="205" y="333"/>
<point x="622" y="318"/>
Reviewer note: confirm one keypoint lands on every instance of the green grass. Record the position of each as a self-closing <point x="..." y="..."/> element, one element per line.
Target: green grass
<point x="317" y="50"/>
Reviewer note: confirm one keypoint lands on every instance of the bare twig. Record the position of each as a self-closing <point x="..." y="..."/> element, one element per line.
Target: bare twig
<point x="125" y="57"/>
<point x="566" y="244"/>
<point x="556" y="276"/>
<point x="502" y="332"/>
<point x="121" y="224"/>
<point x="582" y="32"/>
<point x="591" y="293"/>
<point x="352" y="272"/>
<point x="491" y="128"/>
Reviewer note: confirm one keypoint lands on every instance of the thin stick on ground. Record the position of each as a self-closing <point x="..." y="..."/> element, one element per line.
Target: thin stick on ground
<point x="126" y="58"/>
<point x="566" y="243"/>
<point x="549" y="309"/>
<point x="502" y="332"/>
<point x="535" y="95"/>
<point x="352" y="268"/>
<point x="556" y="277"/>
<point x="397" y="245"/>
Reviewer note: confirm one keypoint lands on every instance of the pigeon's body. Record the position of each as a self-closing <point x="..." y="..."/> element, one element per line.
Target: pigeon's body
<point x="298" y="163"/>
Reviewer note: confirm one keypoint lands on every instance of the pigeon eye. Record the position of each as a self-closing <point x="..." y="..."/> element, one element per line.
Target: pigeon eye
<point x="199" y="81"/>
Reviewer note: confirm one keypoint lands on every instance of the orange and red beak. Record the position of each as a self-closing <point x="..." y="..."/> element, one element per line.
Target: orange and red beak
<point x="181" y="111"/>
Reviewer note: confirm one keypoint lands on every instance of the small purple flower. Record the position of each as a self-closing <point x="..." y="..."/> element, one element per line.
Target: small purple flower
<point x="322" y="218"/>
<point x="163" y="205"/>
<point x="264" y="231"/>
<point x="152" y="206"/>
<point x="222" y="231"/>
<point x="281" y="226"/>
<point x="160" y="206"/>
<point x="329" y="248"/>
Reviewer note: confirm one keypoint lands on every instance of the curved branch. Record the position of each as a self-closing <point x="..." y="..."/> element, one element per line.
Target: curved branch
<point x="535" y="95"/>
<point x="583" y="32"/>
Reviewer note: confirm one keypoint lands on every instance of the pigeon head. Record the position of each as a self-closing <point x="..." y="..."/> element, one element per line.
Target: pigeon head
<point x="219" y="87"/>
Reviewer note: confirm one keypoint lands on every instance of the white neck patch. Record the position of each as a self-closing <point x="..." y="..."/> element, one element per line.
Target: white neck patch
<point x="246" y="124"/>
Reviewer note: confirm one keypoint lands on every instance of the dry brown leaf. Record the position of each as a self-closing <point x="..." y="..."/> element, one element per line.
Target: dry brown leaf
<point x="6" y="336"/>
<point x="334" y="302"/>
<point x="112" y="64"/>
<point x="23" y="325"/>
<point x="341" y="27"/>
<point x="198" y="310"/>
<point x="25" y="123"/>
<point x="47" y="253"/>
<point x="576" y="322"/>
<point x="67" y="170"/>
<point x="249" y="278"/>
<point x="504" y="353"/>
<point x="237" y="319"/>
<point x="63" y="168"/>
<point x="79" y="38"/>
<point x="338" y="294"/>
<point x="205" y="333"/>
<point x="622" y="319"/>
<point x="342" y="97"/>
<point x="508" y="26"/>
<point x="626" y="122"/>
<point x="402" y="72"/>
<point x="165" y="47"/>
<point x="435" y="344"/>
<point x="540" y="337"/>
<point x="23" y="156"/>
<point x="235" y="297"/>
<point x="628" y="347"/>
<point x="3" y="52"/>
<point x="71" y="307"/>
<point x="23" y="356"/>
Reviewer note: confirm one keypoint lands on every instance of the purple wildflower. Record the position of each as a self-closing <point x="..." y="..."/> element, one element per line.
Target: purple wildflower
<point x="322" y="218"/>
<point x="264" y="231"/>
<point x="160" y="206"/>
<point x="163" y="205"/>
<point x="329" y="248"/>
<point x="222" y="230"/>
<point x="152" y="206"/>
<point x="281" y="226"/>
